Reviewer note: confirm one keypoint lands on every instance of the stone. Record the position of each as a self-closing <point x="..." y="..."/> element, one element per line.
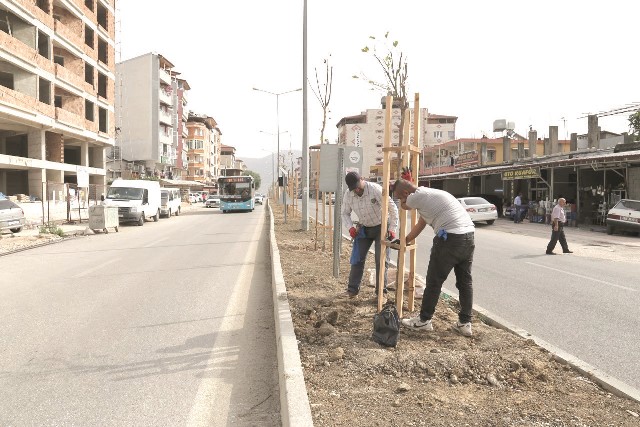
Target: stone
<point x="326" y="329"/>
<point x="403" y="387"/>
<point x="492" y="380"/>
<point x="336" y="354"/>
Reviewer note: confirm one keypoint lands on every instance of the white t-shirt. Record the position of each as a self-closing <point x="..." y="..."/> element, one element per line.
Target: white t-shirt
<point x="440" y="210"/>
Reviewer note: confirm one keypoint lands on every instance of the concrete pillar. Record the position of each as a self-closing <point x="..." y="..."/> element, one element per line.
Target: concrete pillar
<point x="593" y="136"/>
<point x="533" y="138"/>
<point x="547" y="147"/>
<point x="36" y="179"/>
<point x="36" y="146"/>
<point x="573" y="145"/>
<point x="506" y="149"/>
<point x="483" y="153"/>
<point x="98" y="157"/>
<point x="521" y="149"/>
<point x="84" y="153"/>
<point x="553" y="139"/>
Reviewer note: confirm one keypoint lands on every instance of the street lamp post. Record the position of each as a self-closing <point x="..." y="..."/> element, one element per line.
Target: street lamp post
<point x="277" y="95"/>
<point x="275" y="171"/>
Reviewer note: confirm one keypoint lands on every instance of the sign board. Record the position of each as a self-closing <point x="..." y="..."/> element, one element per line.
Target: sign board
<point x="83" y="177"/>
<point x="521" y="174"/>
<point x="469" y="158"/>
<point x="329" y="164"/>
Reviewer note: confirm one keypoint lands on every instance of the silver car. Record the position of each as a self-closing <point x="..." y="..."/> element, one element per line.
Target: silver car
<point x="11" y="216"/>
<point x="212" y="202"/>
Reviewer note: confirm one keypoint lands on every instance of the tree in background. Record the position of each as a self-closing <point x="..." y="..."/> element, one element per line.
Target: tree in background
<point x="395" y="69"/>
<point x="256" y="177"/>
<point x="324" y="94"/>
<point x="634" y="124"/>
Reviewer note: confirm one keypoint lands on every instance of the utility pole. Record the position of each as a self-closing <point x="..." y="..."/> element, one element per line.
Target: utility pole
<point x="304" y="221"/>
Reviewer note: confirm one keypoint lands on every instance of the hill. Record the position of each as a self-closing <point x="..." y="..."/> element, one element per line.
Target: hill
<point x="264" y="166"/>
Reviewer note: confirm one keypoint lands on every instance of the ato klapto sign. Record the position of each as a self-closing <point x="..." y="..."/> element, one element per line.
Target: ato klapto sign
<point x="521" y="174"/>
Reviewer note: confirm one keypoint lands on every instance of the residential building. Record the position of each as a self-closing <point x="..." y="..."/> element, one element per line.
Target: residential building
<point x="229" y="165"/>
<point x="56" y="93"/>
<point x="146" y="106"/>
<point x="180" y="118"/>
<point x="201" y="141"/>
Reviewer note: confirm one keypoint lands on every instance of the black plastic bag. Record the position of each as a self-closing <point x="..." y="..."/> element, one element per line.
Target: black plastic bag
<point x="386" y="326"/>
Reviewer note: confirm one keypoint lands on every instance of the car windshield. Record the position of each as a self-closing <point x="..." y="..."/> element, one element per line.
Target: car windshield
<point x="7" y="204"/>
<point x="475" y="201"/>
<point x="634" y="205"/>
<point x="124" y="193"/>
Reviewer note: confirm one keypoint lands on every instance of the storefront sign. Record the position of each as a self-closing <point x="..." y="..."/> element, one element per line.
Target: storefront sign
<point x="521" y="174"/>
<point x="469" y="158"/>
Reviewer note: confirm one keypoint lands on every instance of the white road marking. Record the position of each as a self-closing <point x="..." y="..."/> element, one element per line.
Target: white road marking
<point x="583" y="277"/>
<point x="148" y="245"/>
<point x="97" y="267"/>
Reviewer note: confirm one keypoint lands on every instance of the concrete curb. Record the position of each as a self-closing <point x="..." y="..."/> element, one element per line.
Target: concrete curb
<point x="294" y="402"/>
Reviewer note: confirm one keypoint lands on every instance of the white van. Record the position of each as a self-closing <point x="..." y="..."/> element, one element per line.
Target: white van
<point x="136" y="199"/>
<point x="170" y="201"/>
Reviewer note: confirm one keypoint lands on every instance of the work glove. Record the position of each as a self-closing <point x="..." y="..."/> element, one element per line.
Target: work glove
<point x="353" y="232"/>
<point x="391" y="235"/>
<point x="406" y="174"/>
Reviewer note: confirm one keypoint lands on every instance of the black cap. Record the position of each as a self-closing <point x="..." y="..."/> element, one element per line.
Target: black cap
<point x="352" y="180"/>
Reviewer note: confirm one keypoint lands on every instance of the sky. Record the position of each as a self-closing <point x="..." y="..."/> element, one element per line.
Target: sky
<point x="540" y="63"/>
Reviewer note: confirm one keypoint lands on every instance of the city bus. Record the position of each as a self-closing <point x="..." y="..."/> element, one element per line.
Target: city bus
<point x="236" y="193"/>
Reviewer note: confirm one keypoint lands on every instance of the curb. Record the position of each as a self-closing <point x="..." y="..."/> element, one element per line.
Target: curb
<point x="294" y="402"/>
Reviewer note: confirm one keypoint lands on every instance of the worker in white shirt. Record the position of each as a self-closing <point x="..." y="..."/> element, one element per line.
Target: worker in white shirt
<point x="517" y="204"/>
<point x="558" y="218"/>
<point x="365" y="199"/>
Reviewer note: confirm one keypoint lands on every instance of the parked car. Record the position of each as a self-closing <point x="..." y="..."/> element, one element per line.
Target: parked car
<point x="258" y="200"/>
<point x="624" y="216"/>
<point x="212" y="201"/>
<point x="170" y="202"/>
<point x="11" y="216"/>
<point x="136" y="199"/>
<point x="479" y="209"/>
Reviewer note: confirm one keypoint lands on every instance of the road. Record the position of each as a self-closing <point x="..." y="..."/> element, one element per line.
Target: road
<point x="585" y="303"/>
<point x="166" y="324"/>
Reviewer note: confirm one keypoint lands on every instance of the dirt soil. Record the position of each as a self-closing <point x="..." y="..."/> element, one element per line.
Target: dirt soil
<point x="434" y="378"/>
<point x="15" y="242"/>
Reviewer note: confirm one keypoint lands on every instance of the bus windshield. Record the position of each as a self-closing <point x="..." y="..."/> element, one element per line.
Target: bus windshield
<point x="236" y="188"/>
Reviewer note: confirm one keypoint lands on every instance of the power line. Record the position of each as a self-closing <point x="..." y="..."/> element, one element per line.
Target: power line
<point x="628" y="108"/>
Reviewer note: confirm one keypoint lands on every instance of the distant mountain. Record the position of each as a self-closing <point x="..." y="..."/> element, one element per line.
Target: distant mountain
<point x="264" y="167"/>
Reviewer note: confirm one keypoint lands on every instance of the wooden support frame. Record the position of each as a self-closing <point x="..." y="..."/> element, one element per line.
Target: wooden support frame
<point x="409" y="152"/>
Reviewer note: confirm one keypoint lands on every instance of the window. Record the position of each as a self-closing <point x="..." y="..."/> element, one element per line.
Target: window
<point x="44" y="90"/>
<point x="102" y="85"/>
<point x="89" y="4"/>
<point x="6" y="80"/>
<point x="88" y="36"/>
<point x="58" y="60"/>
<point x="102" y="16"/>
<point x="452" y="134"/>
<point x="491" y="155"/>
<point x="437" y="134"/>
<point x="88" y="110"/>
<point x="43" y="45"/>
<point x="88" y="73"/>
<point x="102" y="119"/>
<point x="103" y="51"/>
<point x="57" y="101"/>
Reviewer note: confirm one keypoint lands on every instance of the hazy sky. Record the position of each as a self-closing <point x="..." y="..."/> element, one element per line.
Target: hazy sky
<point x="530" y="62"/>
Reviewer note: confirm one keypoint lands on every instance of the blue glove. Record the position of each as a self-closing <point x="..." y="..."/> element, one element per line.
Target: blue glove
<point x="442" y="234"/>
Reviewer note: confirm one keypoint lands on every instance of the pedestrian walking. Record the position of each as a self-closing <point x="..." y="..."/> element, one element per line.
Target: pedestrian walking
<point x="558" y="219"/>
<point x="517" y="204"/>
<point x="453" y="247"/>
<point x="365" y="199"/>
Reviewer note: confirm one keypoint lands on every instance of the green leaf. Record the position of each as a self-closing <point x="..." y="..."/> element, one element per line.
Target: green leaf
<point x="395" y="43"/>
<point x="386" y="35"/>
<point x="372" y="37"/>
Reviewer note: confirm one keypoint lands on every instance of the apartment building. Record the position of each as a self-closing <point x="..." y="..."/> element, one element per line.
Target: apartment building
<point x="203" y="145"/>
<point x="148" y="102"/>
<point x="180" y="118"/>
<point x="57" y="73"/>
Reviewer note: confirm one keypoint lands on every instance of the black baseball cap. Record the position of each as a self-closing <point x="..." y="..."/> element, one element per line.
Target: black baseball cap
<point x="352" y="180"/>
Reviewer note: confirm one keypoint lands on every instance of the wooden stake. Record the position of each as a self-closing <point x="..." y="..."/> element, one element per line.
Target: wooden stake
<point x="386" y="164"/>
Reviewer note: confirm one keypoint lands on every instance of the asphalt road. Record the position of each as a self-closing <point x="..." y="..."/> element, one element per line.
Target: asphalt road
<point x="169" y="324"/>
<point x="585" y="303"/>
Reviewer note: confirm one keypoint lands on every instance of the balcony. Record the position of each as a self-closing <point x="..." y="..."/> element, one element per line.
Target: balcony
<point x="164" y="138"/>
<point x="38" y="13"/>
<point x="91" y="126"/>
<point x="164" y="117"/>
<point x="25" y="52"/>
<point x="164" y="77"/>
<point x="71" y="78"/>
<point x="165" y="97"/>
<point x="24" y="102"/>
<point x="69" y="118"/>
<point x="70" y="36"/>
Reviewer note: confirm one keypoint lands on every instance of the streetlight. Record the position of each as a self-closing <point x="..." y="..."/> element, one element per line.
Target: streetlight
<point x="275" y="172"/>
<point x="277" y="95"/>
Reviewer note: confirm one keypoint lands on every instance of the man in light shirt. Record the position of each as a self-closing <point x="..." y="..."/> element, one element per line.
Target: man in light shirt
<point x="517" y="203"/>
<point x="365" y="199"/>
<point x="558" y="219"/>
<point x="452" y="249"/>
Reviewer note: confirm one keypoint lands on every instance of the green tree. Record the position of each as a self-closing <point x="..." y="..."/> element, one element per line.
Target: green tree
<point x="634" y="124"/>
<point x="256" y="177"/>
<point x="395" y="69"/>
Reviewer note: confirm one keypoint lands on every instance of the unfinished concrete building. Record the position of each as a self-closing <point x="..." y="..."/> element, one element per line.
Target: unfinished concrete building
<point x="57" y="73"/>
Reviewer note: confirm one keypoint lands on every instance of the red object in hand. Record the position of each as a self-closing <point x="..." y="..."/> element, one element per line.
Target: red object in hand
<point x="406" y="174"/>
<point x="353" y="232"/>
<point x="391" y="235"/>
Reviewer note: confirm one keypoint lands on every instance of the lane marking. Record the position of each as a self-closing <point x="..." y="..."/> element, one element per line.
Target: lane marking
<point x="583" y="277"/>
<point x="97" y="267"/>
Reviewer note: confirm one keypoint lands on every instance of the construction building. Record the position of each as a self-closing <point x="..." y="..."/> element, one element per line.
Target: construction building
<point x="57" y="74"/>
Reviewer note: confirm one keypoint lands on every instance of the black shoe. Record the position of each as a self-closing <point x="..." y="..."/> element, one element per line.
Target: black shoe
<point x="551" y="253"/>
<point x="567" y="252"/>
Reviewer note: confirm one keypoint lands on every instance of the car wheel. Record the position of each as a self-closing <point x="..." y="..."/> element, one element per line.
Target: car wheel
<point x="16" y="230"/>
<point x="610" y="229"/>
<point x="141" y="220"/>
<point x="491" y="221"/>
<point x="156" y="217"/>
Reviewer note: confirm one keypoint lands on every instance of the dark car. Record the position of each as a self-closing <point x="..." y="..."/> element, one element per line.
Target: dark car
<point x="11" y="216"/>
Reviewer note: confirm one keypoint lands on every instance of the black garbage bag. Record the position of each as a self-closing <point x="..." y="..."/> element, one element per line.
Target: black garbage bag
<point x="386" y="326"/>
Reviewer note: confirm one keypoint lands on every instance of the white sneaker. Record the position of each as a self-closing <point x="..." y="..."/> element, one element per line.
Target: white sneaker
<point x="418" y="325"/>
<point x="463" y="328"/>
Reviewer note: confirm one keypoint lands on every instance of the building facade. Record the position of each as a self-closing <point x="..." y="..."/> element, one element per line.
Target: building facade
<point x="180" y="118"/>
<point x="57" y="74"/>
<point x="147" y="106"/>
<point x="201" y="141"/>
